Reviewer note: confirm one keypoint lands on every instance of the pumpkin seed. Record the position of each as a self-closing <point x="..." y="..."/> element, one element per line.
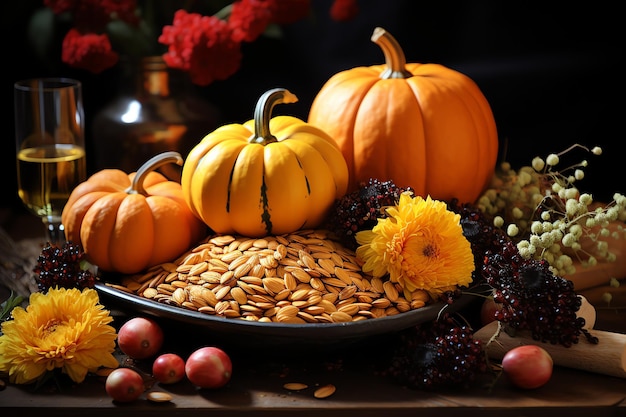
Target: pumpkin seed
<point x="179" y="296"/>
<point x="390" y="291"/>
<point x="159" y="396"/>
<point x="222" y="240"/>
<point x="239" y="295"/>
<point x="325" y="391"/>
<point x="295" y="386"/>
<point x="231" y="256"/>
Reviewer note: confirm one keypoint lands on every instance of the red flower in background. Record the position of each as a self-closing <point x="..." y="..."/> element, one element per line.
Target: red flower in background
<point x="249" y="19"/>
<point x="202" y="46"/>
<point x="207" y="47"/>
<point x="344" y="10"/>
<point x="91" y="52"/>
<point x="86" y="46"/>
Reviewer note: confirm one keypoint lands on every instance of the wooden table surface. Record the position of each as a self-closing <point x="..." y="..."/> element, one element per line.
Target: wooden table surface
<point x="256" y="388"/>
<point x="359" y="393"/>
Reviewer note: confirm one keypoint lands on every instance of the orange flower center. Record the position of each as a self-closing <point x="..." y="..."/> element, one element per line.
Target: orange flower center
<point x="430" y="251"/>
<point x="50" y="327"/>
<point x="55" y="334"/>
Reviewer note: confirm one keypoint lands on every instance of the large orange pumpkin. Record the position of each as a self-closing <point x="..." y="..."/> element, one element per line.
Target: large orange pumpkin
<point x="419" y="125"/>
<point x="127" y="223"/>
<point x="270" y="175"/>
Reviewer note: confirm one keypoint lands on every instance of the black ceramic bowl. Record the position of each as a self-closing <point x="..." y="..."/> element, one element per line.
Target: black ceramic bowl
<point x="236" y="333"/>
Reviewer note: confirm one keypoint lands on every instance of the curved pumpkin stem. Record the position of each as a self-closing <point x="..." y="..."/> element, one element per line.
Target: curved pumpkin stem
<point x="263" y="114"/>
<point x="171" y="157"/>
<point x="394" y="55"/>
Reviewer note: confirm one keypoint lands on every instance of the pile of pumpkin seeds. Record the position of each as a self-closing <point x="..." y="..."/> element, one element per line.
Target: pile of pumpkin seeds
<point x="302" y="277"/>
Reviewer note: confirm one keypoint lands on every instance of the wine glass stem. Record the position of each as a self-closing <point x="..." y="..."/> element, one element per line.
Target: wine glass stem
<point x="55" y="231"/>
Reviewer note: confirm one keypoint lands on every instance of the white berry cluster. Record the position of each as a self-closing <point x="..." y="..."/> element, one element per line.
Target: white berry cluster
<point x="549" y="218"/>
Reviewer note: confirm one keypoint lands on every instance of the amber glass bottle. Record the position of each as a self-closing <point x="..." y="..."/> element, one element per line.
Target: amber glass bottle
<point x="160" y="112"/>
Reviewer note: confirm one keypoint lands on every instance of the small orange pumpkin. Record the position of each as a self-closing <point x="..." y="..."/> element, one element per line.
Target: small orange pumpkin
<point x="420" y="125"/>
<point x="127" y="223"/>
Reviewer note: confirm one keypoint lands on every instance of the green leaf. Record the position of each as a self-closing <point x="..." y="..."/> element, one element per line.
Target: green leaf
<point x="9" y="304"/>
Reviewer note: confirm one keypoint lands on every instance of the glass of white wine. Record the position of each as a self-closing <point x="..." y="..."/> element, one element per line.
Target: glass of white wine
<point x="50" y="139"/>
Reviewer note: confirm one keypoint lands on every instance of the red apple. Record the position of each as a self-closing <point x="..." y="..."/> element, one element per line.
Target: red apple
<point x="140" y="338"/>
<point x="168" y="368"/>
<point x="124" y="385"/>
<point x="528" y="366"/>
<point x="209" y="367"/>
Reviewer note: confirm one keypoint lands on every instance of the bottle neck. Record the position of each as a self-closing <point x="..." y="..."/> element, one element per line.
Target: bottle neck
<point x="155" y="77"/>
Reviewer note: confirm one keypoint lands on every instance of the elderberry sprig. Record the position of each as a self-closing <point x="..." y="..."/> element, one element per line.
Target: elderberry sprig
<point x="63" y="267"/>
<point x="361" y="209"/>
<point x="438" y="354"/>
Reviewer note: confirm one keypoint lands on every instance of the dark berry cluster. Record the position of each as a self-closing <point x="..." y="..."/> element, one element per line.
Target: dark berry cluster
<point x="61" y="267"/>
<point x="361" y="209"/>
<point x="532" y="297"/>
<point x="482" y="235"/>
<point x="438" y="354"/>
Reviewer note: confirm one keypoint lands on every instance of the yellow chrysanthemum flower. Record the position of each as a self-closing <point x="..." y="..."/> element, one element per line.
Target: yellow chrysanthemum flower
<point x="420" y="245"/>
<point x="63" y="328"/>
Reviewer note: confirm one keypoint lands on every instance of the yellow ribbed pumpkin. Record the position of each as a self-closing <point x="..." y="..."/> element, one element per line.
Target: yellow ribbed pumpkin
<point x="127" y="223"/>
<point x="419" y="125"/>
<point x="266" y="176"/>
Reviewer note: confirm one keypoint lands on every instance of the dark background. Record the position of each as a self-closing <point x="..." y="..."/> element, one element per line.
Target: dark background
<point x="550" y="70"/>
